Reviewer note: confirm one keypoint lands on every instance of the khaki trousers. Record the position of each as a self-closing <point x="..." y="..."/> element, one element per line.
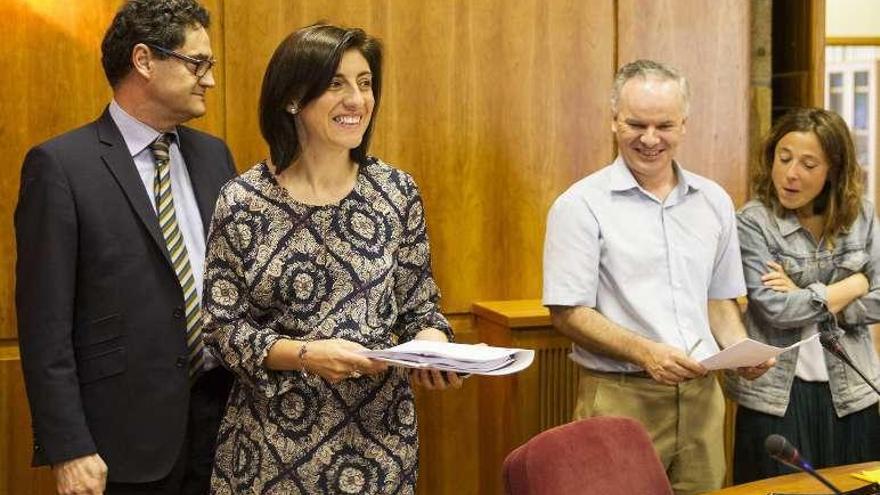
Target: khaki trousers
<point x="685" y="422"/>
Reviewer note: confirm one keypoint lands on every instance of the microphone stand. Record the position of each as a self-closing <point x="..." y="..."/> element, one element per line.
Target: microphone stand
<point x="779" y="448"/>
<point x="822" y="480"/>
<point x="831" y="343"/>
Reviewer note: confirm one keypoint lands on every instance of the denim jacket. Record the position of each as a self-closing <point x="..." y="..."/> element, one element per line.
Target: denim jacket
<point x="778" y="318"/>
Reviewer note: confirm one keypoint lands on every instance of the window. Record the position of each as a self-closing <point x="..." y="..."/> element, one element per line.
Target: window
<point x="852" y="89"/>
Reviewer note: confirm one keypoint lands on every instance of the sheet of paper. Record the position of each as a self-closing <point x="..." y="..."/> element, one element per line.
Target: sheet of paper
<point x="461" y="358"/>
<point x="871" y="475"/>
<point x="747" y="353"/>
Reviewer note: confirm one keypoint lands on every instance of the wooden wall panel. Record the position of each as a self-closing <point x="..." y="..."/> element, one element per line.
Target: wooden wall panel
<point x="449" y="431"/>
<point x="798" y="54"/>
<point x="709" y="42"/>
<point x="52" y="81"/>
<point x="761" y="77"/>
<point x="495" y="107"/>
<point x="16" y="475"/>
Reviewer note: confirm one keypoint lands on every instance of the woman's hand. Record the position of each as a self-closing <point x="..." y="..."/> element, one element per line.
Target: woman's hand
<point x="432" y="379"/>
<point x="338" y="359"/>
<point x="777" y="279"/>
<point x="754" y="372"/>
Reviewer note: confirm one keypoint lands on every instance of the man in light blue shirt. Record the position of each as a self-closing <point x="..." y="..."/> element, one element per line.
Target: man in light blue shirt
<point x="641" y="271"/>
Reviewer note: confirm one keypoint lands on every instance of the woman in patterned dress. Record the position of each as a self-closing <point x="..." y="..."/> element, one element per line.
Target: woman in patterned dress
<point x="314" y="254"/>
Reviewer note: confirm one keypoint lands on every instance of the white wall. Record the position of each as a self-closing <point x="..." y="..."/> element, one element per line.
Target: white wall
<point x="852" y="18"/>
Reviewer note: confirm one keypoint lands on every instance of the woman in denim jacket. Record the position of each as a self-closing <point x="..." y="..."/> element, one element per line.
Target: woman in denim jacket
<point x="810" y="252"/>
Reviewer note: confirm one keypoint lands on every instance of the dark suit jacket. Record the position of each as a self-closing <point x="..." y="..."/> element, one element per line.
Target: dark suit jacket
<point x="100" y="310"/>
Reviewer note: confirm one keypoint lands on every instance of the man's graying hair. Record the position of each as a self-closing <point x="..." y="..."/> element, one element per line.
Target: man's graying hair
<point x="649" y="69"/>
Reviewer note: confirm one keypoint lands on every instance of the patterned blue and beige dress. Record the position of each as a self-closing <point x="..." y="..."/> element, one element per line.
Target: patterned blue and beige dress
<point x="358" y="270"/>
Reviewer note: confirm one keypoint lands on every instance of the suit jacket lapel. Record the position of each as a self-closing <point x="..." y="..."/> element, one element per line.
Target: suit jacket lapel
<point x="118" y="160"/>
<point x="198" y="165"/>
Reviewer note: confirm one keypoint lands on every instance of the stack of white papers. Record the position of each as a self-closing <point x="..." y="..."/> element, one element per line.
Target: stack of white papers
<point x="461" y="358"/>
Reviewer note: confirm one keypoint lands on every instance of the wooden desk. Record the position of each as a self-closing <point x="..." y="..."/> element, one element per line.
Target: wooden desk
<point x="802" y="482"/>
<point x="515" y="408"/>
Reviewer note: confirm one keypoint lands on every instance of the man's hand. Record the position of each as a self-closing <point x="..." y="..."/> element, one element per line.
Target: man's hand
<point x="753" y="372"/>
<point x="85" y="475"/>
<point x="668" y="365"/>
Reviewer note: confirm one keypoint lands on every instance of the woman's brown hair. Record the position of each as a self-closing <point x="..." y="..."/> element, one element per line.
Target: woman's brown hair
<point x="840" y="199"/>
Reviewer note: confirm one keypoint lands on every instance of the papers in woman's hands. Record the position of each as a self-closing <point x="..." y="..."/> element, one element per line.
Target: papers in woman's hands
<point x="461" y="358"/>
<point x="747" y="353"/>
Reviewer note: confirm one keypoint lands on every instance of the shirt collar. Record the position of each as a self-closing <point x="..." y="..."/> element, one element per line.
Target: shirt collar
<point x="622" y="178"/>
<point x="136" y="134"/>
<point x="787" y="222"/>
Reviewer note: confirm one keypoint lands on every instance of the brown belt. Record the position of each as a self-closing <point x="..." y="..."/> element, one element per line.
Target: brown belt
<point x="619" y="374"/>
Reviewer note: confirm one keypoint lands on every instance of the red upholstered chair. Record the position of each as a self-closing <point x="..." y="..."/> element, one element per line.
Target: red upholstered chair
<point x="596" y="456"/>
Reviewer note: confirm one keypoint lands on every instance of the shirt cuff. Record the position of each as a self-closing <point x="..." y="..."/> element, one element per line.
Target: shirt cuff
<point x="820" y="295"/>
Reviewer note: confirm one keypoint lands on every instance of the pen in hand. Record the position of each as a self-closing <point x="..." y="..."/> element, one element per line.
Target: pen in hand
<point x="694" y="347"/>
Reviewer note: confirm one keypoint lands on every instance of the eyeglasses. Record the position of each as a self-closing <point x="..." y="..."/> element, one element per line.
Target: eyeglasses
<point x="202" y="65"/>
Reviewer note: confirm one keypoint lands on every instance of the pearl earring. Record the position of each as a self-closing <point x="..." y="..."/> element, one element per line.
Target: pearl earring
<point x="293" y="108"/>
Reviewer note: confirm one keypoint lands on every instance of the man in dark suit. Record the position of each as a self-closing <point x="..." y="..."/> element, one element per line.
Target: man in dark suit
<point x="121" y="390"/>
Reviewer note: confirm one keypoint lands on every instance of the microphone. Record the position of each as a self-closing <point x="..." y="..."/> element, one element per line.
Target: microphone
<point x="831" y="343"/>
<point x="779" y="448"/>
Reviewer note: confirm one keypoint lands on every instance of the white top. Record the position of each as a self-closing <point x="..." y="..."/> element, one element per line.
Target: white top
<point x="811" y="365"/>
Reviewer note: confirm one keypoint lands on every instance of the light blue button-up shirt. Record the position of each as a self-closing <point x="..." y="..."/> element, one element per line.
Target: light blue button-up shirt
<point x="648" y="265"/>
<point x="137" y="137"/>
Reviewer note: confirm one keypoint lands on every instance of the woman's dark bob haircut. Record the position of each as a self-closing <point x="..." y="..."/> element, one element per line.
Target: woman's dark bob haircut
<point x="300" y="70"/>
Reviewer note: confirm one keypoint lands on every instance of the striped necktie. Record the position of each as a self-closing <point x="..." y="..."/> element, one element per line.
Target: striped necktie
<point x="177" y="250"/>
